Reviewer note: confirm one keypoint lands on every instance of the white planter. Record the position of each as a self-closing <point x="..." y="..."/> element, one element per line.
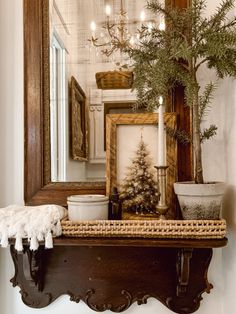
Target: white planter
<point x="200" y="201"/>
<point x="87" y="207"/>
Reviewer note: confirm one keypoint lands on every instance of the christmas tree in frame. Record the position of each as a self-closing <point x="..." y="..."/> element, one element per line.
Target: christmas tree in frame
<point x="139" y="192"/>
<point x="123" y="139"/>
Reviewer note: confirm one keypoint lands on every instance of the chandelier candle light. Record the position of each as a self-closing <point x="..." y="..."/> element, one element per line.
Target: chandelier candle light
<point x="108" y="10"/>
<point x="162" y="206"/>
<point x="93" y="28"/>
<point x="118" y="35"/>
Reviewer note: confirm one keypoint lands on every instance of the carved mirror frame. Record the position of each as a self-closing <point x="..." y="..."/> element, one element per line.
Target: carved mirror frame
<point x="38" y="188"/>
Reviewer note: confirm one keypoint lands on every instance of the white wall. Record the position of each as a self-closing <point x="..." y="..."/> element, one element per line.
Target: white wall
<point x="11" y="178"/>
<point x="229" y="253"/>
<point x="220" y="162"/>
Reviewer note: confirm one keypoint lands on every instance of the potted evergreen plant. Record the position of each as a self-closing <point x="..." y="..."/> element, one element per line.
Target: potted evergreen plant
<point x="175" y="55"/>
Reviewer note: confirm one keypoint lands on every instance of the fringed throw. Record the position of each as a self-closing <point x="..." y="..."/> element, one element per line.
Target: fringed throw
<point x="36" y="223"/>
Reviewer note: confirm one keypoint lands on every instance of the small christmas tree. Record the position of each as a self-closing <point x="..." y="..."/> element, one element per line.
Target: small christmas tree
<point x="139" y="192"/>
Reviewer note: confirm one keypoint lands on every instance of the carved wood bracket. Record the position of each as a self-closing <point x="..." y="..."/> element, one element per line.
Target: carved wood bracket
<point x="183" y="268"/>
<point x="33" y="267"/>
<point x="113" y="278"/>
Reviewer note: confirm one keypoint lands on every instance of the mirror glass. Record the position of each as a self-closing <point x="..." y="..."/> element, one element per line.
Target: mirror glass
<point x="78" y="31"/>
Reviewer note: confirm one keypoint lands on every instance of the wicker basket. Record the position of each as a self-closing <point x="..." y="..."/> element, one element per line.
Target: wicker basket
<point x="114" y="79"/>
<point x="188" y="229"/>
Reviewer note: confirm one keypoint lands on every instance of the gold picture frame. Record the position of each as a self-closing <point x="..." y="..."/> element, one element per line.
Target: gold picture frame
<point x="113" y="122"/>
<point x="116" y="107"/>
<point x="79" y="122"/>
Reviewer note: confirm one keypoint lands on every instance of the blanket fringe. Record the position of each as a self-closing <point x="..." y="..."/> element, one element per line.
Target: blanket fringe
<point x="35" y="223"/>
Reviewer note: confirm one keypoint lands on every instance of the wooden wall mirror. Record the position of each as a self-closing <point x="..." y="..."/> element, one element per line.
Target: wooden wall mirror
<point x="51" y="29"/>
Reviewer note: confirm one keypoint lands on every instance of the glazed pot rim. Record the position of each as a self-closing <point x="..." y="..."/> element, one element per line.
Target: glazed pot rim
<point x="190" y="188"/>
<point x="87" y="198"/>
<point x="205" y="183"/>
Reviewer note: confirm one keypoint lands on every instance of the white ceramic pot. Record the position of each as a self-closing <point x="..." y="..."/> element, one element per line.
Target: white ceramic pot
<point x="87" y="207"/>
<point x="200" y="201"/>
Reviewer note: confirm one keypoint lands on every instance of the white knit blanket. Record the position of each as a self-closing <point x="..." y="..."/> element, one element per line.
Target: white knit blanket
<point x="36" y="223"/>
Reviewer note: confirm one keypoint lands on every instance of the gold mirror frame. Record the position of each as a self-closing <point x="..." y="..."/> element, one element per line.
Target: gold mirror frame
<point x="38" y="188"/>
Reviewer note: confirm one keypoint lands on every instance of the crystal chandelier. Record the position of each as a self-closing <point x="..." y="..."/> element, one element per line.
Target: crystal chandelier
<point x="118" y="37"/>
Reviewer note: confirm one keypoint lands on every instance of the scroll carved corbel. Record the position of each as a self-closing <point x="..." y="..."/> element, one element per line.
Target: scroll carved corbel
<point x="33" y="267"/>
<point x="183" y="270"/>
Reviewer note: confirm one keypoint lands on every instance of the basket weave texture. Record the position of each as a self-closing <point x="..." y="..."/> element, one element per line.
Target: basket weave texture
<point x="191" y="229"/>
<point x="114" y="79"/>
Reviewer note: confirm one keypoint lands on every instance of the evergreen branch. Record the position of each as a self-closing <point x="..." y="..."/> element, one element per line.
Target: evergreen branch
<point x="228" y="25"/>
<point x="197" y="66"/>
<point x="213" y="24"/>
<point x="205" y="99"/>
<point x="180" y="135"/>
<point x="185" y="66"/>
<point x="171" y="14"/>
<point x="221" y="13"/>
<point x="208" y="133"/>
<point x="196" y="11"/>
<point x="225" y="65"/>
<point x="156" y="7"/>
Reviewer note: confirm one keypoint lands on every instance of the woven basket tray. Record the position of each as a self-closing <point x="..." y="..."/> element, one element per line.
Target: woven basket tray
<point x="191" y="229"/>
<point x="114" y="79"/>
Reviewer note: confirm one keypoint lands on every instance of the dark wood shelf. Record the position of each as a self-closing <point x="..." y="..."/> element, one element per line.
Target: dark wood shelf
<point x="142" y="242"/>
<point x="113" y="273"/>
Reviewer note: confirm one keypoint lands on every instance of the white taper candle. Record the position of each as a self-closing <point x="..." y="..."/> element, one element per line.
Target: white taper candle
<point x="161" y="144"/>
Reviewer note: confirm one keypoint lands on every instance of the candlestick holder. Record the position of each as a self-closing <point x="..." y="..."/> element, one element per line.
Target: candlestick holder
<point x="162" y="206"/>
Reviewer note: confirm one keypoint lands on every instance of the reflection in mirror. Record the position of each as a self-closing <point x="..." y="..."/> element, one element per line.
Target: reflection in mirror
<point x="77" y="53"/>
<point x="57" y="107"/>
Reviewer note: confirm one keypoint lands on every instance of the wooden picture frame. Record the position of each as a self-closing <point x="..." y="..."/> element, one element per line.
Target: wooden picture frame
<point x="118" y="107"/>
<point x="116" y="120"/>
<point x="79" y="122"/>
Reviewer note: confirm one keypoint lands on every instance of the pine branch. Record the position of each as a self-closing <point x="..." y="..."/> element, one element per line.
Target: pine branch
<point x="156" y="7"/>
<point x="180" y="135"/>
<point x="226" y="65"/>
<point x="198" y="8"/>
<point x="229" y="25"/>
<point x="200" y="63"/>
<point x="208" y="133"/>
<point x="196" y="12"/>
<point x="205" y="99"/>
<point x="221" y="13"/>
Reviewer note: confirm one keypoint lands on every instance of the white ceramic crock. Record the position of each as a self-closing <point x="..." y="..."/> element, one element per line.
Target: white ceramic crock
<point x="87" y="207"/>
